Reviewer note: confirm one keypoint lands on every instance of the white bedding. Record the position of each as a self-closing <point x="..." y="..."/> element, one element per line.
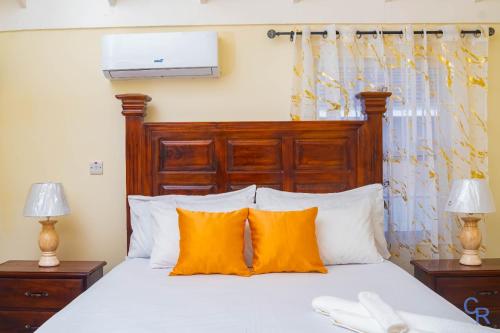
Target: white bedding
<point x="135" y="298"/>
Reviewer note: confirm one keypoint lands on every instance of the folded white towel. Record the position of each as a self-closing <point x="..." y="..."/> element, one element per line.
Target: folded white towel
<point x="327" y="304"/>
<point x="355" y="322"/>
<point x="384" y="314"/>
<point x="359" y="323"/>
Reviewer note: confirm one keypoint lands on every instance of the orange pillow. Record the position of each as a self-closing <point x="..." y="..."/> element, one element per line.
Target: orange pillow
<point x="211" y="243"/>
<point x="285" y="241"/>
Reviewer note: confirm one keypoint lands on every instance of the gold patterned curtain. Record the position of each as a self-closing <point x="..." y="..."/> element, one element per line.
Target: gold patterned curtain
<point x="435" y="127"/>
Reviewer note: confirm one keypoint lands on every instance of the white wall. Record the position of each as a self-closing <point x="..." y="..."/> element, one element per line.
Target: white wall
<point x="61" y="14"/>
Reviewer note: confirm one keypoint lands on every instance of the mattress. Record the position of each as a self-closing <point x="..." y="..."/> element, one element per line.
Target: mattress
<point x="135" y="298"/>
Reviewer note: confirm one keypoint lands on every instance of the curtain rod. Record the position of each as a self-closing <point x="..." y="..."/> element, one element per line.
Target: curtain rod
<point x="273" y="33"/>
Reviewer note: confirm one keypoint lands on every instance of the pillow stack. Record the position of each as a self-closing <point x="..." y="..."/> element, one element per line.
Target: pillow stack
<point x="155" y="228"/>
<point x="282" y="232"/>
<point x="349" y="227"/>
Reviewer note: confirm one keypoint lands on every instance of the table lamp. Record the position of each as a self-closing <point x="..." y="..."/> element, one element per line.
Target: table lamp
<point x="47" y="200"/>
<point x="471" y="198"/>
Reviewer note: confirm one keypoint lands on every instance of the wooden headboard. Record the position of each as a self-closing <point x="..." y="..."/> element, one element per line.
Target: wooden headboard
<point x="215" y="157"/>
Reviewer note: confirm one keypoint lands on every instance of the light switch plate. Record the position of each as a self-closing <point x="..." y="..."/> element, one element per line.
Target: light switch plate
<point x="96" y="168"/>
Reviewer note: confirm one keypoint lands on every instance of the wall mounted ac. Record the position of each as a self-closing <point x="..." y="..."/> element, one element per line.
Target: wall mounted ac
<point x="156" y="55"/>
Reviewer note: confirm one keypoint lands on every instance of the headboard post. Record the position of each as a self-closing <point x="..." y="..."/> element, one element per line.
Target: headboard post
<point x="374" y="105"/>
<point x="134" y="109"/>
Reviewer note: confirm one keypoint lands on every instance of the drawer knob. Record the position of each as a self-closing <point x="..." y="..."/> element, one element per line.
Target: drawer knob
<point x="36" y="294"/>
<point x="488" y="293"/>
<point x="31" y="328"/>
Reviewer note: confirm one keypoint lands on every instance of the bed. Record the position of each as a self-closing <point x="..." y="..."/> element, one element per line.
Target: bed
<point x="135" y="298"/>
<point x="204" y="158"/>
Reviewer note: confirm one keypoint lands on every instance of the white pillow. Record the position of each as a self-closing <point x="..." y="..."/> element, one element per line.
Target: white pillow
<point x="165" y="251"/>
<point x="345" y="234"/>
<point x="141" y="240"/>
<point x="268" y="198"/>
<point x="166" y="237"/>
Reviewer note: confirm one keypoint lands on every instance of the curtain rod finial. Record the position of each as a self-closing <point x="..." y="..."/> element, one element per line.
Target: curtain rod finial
<point x="272" y="34"/>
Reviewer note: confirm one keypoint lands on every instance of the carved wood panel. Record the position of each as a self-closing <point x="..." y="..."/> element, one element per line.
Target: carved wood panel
<point x="327" y="154"/>
<point x="187" y="155"/>
<point x="257" y="154"/>
<point x="215" y="160"/>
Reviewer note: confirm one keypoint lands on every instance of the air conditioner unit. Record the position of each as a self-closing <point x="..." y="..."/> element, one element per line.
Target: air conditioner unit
<point x="155" y="55"/>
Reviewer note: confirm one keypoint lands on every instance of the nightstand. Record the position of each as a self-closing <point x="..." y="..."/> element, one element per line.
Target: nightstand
<point x="30" y="295"/>
<point x="457" y="283"/>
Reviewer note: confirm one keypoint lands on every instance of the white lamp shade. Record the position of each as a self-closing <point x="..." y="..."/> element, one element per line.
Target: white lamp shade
<point x="46" y="200"/>
<point x="470" y="196"/>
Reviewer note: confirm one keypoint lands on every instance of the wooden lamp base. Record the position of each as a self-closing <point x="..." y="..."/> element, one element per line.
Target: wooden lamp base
<point x="48" y="242"/>
<point x="470" y="237"/>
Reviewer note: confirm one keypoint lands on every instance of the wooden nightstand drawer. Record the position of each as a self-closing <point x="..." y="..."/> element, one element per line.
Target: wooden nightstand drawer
<point x="458" y="289"/>
<point x="22" y="321"/>
<point x="38" y="293"/>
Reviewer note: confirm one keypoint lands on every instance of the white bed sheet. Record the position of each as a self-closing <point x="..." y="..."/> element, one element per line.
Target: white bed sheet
<point x="135" y="298"/>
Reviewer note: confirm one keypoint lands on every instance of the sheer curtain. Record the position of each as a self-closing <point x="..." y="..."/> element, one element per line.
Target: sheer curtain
<point x="434" y="129"/>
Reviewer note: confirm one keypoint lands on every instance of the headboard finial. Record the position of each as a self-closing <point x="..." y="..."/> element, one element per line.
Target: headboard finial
<point x="374" y="102"/>
<point x="134" y="105"/>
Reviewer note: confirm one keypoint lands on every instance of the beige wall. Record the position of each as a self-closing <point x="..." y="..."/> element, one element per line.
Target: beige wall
<point x="57" y="113"/>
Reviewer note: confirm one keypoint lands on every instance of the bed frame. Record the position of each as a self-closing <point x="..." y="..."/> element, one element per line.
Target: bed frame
<point x="215" y="157"/>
